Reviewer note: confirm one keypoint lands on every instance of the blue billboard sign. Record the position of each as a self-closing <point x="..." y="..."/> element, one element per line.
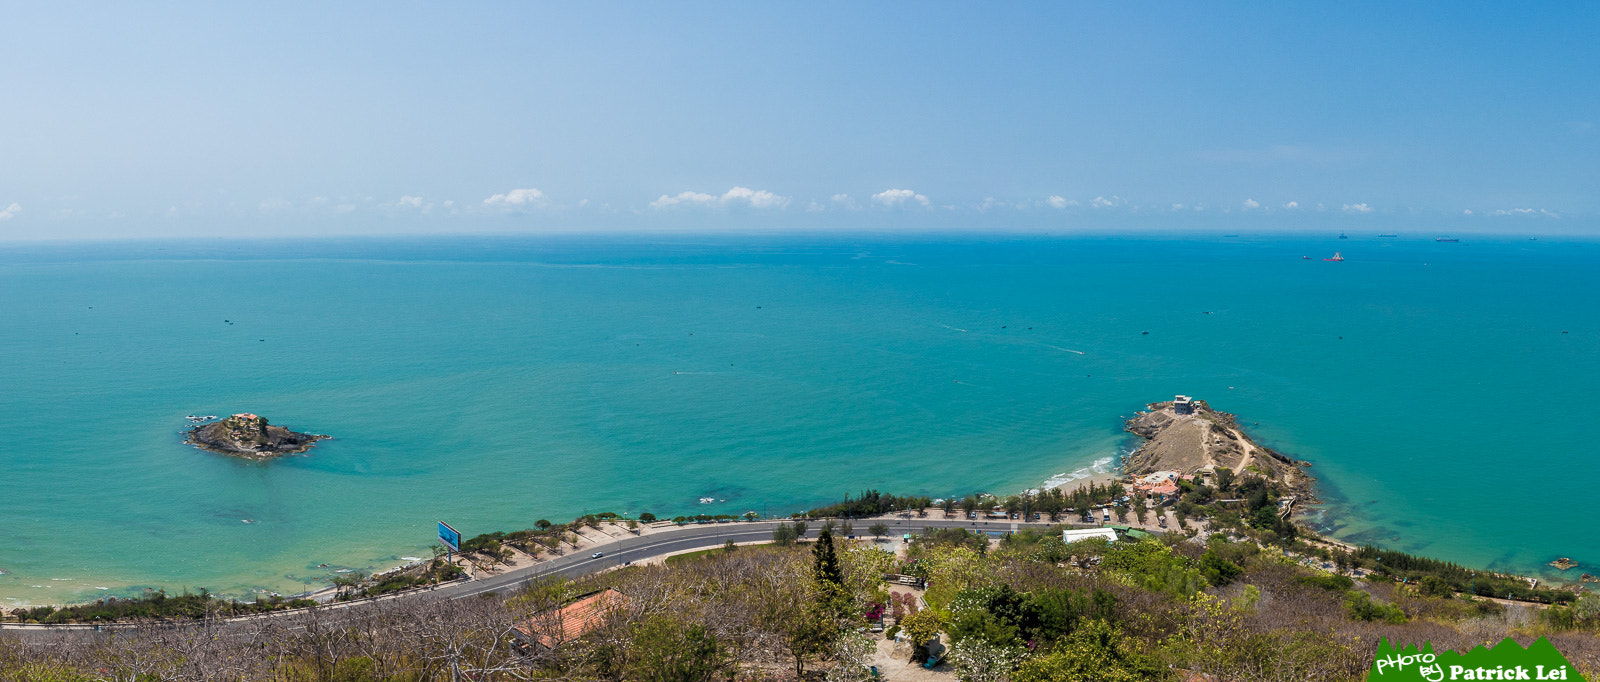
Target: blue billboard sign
<point x="450" y="537"/>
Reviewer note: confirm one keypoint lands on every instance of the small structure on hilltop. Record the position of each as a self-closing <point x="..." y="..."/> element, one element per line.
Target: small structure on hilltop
<point x="250" y="436"/>
<point x="1183" y="404"/>
<point x="578" y="618"/>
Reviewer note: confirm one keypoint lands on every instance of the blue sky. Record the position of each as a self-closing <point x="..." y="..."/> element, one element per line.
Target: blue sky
<point x="282" y="119"/>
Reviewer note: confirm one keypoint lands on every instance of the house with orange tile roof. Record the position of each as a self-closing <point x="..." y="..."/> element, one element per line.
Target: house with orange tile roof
<point x="578" y="618"/>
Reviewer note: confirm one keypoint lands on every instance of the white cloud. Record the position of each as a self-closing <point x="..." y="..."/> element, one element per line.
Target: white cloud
<point x="1057" y="201"/>
<point x="1177" y="207"/>
<point x="757" y="198"/>
<point x="1357" y="208"/>
<point x="743" y="195"/>
<point x="1525" y="211"/>
<point x="1251" y="203"/>
<point x="409" y="201"/>
<point x="10" y="211"/>
<point x="682" y="198"/>
<point x="1102" y="202"/>
<point x="517" y="197"/>
<point x="813" y="207"/>
<point x="1292" y="205"/>
<point x="1466" y="211"/>
<point x="897" y="197"/>
<point x="449" y="202"/>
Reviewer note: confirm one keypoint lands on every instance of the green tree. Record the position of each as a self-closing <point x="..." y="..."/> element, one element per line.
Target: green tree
<point x="923" y="626"/>
<point x="826" y="568"/>
<point x="1224" y="478"/>
<point x="810" y="633"/>
<point x="1361" y="606"/>
<point x="982" y="625"/>
<point x="1055" y="613"/>
<point x="976" y="660"/>
<point x="647" y="517"/>
<point x="853" y="651"/>
<point x="879" y="529"/>
<point x="1095" y="652"/>
<point x="1218" y="570"/>
<point x="1434" y="586"/>
<point x="783" y="535"/>
<point x="1587" y="608"/>
<point x="665" y="651"/>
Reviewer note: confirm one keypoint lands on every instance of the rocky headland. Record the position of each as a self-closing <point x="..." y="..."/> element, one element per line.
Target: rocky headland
<point x="249" y="436"/>
<point x="1189" y="437"/>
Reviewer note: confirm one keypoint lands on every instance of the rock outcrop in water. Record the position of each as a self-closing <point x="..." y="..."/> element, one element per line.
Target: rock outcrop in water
<point x="1194" y="438"/>
<point x="249" y="436"/>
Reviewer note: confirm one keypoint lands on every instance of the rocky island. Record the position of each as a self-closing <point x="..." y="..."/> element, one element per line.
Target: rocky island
<point x="1185" y="436"/>
<point x="249" y="436"/>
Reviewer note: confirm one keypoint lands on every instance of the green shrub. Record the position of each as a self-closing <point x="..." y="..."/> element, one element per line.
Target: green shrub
<point x="1361" y="606"/>
<point x="1331" y="583"/>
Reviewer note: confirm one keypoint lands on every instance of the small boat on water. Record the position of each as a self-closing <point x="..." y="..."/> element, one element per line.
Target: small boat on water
<point x="1336" y="257"/>
<point x="1388" y="235"/>
<point x="1341" y="236"/>
<point x="1447" y="239"/>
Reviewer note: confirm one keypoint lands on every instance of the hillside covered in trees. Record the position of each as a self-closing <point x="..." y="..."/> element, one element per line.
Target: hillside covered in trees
<point x="1026" y="608"/>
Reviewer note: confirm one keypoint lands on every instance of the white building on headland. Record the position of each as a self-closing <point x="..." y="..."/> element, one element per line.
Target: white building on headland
<point x="1183" y="404"/>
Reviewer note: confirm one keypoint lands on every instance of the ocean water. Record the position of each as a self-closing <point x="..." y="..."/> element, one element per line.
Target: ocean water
<point x="1444" y="392"/>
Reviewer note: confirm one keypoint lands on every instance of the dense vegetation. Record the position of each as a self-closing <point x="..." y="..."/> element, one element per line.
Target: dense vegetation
<point x="1052" y="503"/>
<point x="1024" y="608"/>
<point x="155" y="605"/>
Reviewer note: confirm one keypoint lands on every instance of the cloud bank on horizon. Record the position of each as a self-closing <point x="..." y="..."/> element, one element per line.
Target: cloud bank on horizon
<point x="198" y="119"/>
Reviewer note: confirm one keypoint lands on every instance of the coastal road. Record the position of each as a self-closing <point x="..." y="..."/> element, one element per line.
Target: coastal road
<point x="624" y="550"/>
<point x="619" y="552"/>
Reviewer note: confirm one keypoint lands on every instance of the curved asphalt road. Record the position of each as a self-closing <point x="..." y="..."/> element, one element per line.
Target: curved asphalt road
<point x="695" y="537"/>
<point x="619" y="552"/>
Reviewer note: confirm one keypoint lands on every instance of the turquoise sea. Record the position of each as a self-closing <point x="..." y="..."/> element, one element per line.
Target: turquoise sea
<point x="1444" y="391"/>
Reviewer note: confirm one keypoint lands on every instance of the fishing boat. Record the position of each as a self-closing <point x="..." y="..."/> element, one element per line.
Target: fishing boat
<point x="1341" y="236"/>
<point x="1447" y="239"/>
<point x="1336" y="257"/>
